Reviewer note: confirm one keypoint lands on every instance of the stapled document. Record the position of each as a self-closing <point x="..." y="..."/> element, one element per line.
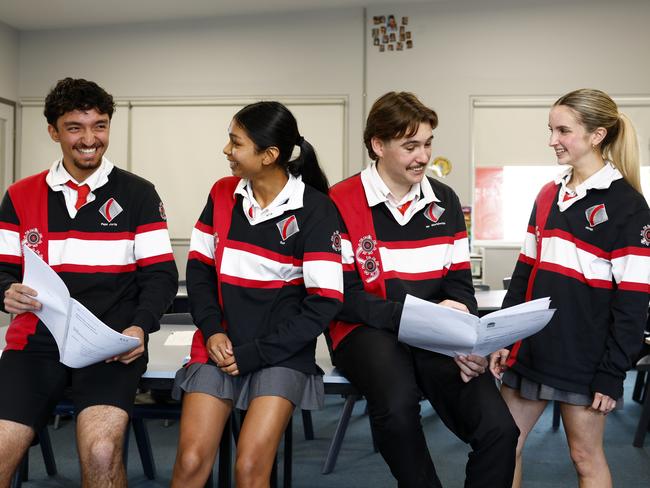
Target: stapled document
<point x="451" y="332"/>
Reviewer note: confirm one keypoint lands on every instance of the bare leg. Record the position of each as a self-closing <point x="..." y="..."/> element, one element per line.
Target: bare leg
<point x="526" y="414"/>
<point x="266" y="420"/>
<point x="584" y="431"/>
<point x="202" y="421"/>
<point x="100" y="441"/>
<point x="15" y="439"/>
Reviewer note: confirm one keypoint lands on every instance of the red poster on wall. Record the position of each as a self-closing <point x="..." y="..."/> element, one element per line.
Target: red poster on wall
<point x="488" y="206"/>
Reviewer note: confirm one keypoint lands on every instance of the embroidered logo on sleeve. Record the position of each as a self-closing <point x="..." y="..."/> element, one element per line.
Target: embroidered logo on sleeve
<point x="336" y="241"/>
<point x="596" y="215"/>
<point x="645" y="235"/>
<point x="110" y="209"/>
<point x="288" y="227"/>
<point x="433" y="212"/>
<point x="161" y="209"/>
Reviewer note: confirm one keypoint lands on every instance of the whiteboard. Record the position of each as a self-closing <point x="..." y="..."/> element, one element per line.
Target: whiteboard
<point x="180" y="148"/>
<point x="514" y="131"/>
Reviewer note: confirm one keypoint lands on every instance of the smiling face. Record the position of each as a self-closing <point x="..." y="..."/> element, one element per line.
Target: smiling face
<point x="402" y="162"/>
<point x="83" y="136"/>
<point x="572" y="143"/>
<point x="242" y="154"/>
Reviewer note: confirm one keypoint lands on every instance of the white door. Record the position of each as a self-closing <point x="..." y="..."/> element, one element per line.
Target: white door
<point x="6" y="145"/>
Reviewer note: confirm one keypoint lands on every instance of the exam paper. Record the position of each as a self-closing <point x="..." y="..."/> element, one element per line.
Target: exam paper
<point x="81" y="337"/>
<point x="451" y="332"/>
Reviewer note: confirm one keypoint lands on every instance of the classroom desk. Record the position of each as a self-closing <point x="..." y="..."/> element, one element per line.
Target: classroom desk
<point x="489" y="301"/>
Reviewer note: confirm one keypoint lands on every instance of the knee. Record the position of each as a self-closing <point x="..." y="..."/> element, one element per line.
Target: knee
<point x="395" y="415"/>
<point x="584" y="458"/>
<point x="189" y="462"/>
<point x="104" y="455"/>
<point x="248" y="470"/>
<point x="501" y="433"/>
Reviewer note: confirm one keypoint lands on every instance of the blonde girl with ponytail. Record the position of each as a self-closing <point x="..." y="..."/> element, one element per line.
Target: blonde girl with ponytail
<point x="587" y="247"/>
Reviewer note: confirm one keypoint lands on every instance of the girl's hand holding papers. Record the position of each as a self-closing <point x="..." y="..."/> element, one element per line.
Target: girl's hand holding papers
<point x="454" y="304"/>
<point x="498" y="362"/>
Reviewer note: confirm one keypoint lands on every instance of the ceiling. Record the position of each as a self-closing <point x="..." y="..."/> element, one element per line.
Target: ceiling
<point x="60" y="14"/>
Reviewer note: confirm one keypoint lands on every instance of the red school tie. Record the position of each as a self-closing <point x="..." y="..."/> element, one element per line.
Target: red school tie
<point x="82" y="193"/>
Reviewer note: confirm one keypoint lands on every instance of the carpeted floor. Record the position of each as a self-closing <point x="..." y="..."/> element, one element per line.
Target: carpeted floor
<point x="547" y="464"/>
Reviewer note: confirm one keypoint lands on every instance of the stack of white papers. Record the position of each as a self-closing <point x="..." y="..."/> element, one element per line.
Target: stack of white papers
<point x="452" y="332"/>
<point x="81" y="337"/>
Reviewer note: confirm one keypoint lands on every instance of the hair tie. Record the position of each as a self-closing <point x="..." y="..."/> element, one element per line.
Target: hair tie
<point x="300" y="140"/>
<point x="295" y="152"/>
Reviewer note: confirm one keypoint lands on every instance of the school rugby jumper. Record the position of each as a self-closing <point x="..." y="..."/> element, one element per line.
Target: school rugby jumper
<point x="273" y="287"/>
<point x="114" y="256"/>
<point x="428" y="257"/>
<point x="595" y="266"/>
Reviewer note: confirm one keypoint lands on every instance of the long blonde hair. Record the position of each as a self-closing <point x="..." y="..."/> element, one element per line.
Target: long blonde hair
<point x="596" y="109"/>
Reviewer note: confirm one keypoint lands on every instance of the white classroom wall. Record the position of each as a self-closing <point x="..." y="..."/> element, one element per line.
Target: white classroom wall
<point x="8" y="63"/>
<point x="462" y="49"/>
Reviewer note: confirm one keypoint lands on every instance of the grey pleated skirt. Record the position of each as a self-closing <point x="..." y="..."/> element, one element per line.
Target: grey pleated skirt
<point x="303" y="390"/>
<point x="531" y="390"/>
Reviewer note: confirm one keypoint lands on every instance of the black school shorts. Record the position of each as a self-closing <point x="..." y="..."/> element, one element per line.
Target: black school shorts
<point x="31" y="384"/>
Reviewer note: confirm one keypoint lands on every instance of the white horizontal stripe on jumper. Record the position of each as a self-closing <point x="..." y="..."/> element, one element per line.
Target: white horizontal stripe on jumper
<point x="246" y="265"/>
<point x="565" y="253"/>
<point x="323" y="274"/>
<point x="461" y="251"/>
<point x="417" y="260"/>
<point x="347" y="254"/>
<point x="202" y="242"/>
<point x="86" y="252"/>
<point x="632" y="268"/>
<point x="152" y="243"/>
<point x="9" y="242"/>
<point x="529" y="247"/>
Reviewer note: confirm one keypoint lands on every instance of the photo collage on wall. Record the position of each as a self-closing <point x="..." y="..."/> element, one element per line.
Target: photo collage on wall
<point x="387" y="35"/>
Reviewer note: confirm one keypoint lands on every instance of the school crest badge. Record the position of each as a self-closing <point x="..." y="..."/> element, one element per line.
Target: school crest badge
<point x="110" y="209"/>
<point x="596" y="215"/>
<point x="434" y="212"/>
<point x="288" y="227"/>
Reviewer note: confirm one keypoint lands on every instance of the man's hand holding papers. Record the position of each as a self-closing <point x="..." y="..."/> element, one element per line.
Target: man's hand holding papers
<point x="81" y="337"/>
<point x="447" y="331"/>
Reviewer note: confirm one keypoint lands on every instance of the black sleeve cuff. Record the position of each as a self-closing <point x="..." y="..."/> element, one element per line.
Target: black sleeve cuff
<point x="248" y="358"/>
<point x="210" y="326"/>
<point x="146" y="321"/>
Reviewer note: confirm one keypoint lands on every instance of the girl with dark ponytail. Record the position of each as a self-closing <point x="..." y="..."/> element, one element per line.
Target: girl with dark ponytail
<point x="264" y="279"/>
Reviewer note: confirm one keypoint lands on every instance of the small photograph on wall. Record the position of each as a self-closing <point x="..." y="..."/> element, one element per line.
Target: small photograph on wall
<point x="375" y="33"/>
<point x="400" y="46"/>
<point x="376" y="41"/>
<point x="385" y="39"/>
<point x="391" y="25"/>
<point x="392" y="37"/>
<point x="382" y="48"/>
<point x="376" y="20"/>
<point x="390" y="47"/>
<point x="402" y="37"/>
<point x="409" y="44"/>
<point x="405" y="21"/>
<point x="402" y="30"/>
<point x="408" y="35"/>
